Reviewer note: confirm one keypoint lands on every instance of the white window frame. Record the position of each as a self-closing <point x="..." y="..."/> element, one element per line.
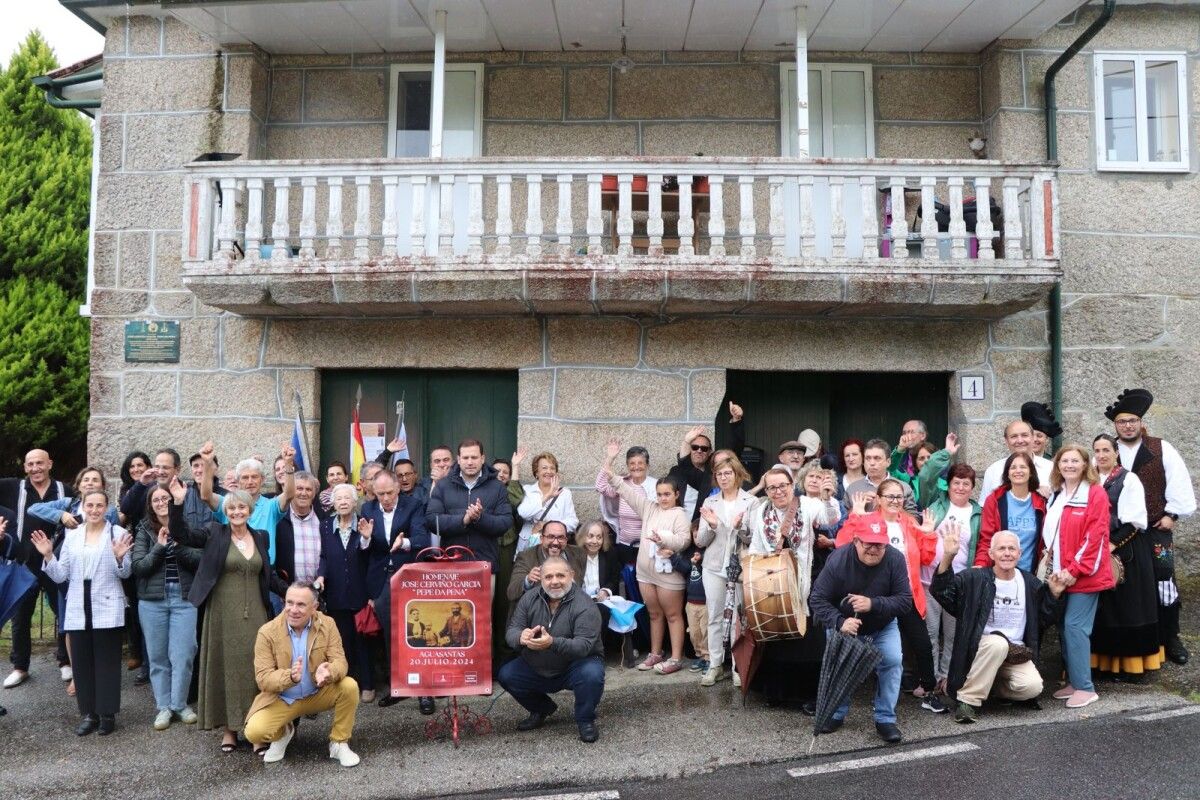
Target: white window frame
<point x="393" y="110"/>
<point x="788" y="103"/>
<point x="1143" y="163"/>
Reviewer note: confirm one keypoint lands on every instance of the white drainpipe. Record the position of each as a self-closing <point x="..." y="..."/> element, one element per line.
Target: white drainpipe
<point x="437" y="106"/>
<point x="801" y="82"/>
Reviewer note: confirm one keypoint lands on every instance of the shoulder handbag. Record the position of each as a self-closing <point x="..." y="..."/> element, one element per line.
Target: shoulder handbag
<point x="1045" y="564"/>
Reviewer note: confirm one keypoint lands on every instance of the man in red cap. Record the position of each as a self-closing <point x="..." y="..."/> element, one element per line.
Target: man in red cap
<point x="861" y="590"/>
<point x="1169" y="496"/>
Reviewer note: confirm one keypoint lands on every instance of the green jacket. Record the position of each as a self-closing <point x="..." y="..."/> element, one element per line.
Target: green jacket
<point x="941" y="506"/>
<point x="928" y="484"/>
<point x="516" y="493"/>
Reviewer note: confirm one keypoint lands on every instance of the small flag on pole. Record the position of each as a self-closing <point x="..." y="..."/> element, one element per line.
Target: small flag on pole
<point x="401" y="432"/>
<point x="358" y="451"/>
<point x="302" y="462"/>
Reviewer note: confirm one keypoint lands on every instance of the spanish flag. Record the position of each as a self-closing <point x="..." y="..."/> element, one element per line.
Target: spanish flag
<point x="358" y="453"/>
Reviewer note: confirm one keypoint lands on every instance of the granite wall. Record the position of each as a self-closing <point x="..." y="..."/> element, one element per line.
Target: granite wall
<point x="1129" y="244"/>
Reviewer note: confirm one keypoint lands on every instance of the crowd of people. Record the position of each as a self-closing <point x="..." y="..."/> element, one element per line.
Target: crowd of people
<point x="243" y="607"/>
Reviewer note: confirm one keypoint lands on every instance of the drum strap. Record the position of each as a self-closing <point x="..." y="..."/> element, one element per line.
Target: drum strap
<point x="785" y="527"/>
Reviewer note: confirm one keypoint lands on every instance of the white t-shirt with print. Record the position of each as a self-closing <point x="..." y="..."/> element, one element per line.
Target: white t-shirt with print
<point x="1008" y="610"/>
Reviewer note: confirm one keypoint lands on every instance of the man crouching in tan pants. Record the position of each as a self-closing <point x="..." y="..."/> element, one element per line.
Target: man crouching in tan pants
<point x="1000" y="613"/>
<point x="301" y="669"/>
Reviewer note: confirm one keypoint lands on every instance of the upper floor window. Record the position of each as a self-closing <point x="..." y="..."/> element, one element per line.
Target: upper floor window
<point x="410" y="107"/>
<point x="1141" y="111"/>
<point x="841" y="110"/>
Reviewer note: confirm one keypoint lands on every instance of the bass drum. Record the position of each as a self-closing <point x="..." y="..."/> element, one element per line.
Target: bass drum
<point x="772" y="596"/>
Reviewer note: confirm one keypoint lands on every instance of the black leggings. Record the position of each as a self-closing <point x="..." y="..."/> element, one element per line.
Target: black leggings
<point x="915" y="639"/>
<point x="96" y="662"/>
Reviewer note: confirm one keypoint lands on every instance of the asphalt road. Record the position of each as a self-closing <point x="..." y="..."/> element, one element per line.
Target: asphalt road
<point x="657" y="734"/>
<point x="1111" y="757"/>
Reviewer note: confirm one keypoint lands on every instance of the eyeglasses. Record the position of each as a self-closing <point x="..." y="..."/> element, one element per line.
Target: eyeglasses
<point x="779" y="487"/>
<point x="872" y="546"/>
<point x="892" y="498"/>
<point x="701" y="448"/>
<point x="725" y="473"/>
<point x="1134" y="421"/>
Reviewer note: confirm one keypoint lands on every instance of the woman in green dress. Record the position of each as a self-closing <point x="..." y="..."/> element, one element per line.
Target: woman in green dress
<point x="233" y="583"/>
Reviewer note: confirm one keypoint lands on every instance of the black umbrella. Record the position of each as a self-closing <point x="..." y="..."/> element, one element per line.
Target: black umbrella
<point x="847" y="663"/>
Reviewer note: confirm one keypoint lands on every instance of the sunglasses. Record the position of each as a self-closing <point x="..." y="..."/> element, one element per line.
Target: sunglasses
<point x="701" y="448"/>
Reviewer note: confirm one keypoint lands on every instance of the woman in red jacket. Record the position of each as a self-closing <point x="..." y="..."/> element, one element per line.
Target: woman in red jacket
<point x="1076" y="535"/>
<point x="918" y="543"/>
<point x="1017" y="506"/>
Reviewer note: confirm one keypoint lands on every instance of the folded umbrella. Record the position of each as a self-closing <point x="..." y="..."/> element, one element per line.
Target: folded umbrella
<point x="747" y="656"/>
<point x="847" y="663"/>
<point x="16" y="581"/>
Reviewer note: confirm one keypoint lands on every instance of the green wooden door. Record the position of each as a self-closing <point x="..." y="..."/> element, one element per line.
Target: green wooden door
<point x="441" y="407"/>
<point x="837" y="405"/>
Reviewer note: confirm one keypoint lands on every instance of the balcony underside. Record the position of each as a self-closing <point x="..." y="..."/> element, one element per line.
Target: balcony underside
<point x="663" y="286"/>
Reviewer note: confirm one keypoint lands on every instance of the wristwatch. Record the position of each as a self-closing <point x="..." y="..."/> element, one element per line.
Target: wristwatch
<point x="1174" y="517"/>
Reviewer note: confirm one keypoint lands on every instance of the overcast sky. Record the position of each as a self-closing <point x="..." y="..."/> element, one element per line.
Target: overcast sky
<point x="72" y="39"/>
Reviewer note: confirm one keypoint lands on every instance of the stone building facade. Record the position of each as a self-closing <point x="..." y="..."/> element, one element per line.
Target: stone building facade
<point x="1129" y="244"/>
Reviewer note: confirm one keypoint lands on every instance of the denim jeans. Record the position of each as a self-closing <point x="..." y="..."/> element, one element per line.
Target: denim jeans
<point x="887" y="673"/>
<point x="1076" y="634"/>
<point x="169" y="626"/>
<point x="584" y="677"/>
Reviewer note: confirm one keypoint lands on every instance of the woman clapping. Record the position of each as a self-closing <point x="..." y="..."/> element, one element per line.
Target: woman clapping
<point x="94" y="559"/>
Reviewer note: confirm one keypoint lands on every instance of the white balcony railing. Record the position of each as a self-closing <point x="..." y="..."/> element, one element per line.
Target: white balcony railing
<point x="278" y="215"/>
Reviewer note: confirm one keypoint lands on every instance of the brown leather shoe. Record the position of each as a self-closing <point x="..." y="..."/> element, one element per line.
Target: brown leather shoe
<point x="133" y="663"/>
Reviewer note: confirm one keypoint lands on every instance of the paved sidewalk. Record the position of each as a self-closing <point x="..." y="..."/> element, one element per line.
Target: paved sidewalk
<point x="651" y="727"/>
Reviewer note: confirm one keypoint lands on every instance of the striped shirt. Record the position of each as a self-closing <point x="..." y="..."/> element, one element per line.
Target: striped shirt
<point x="306" y="535"/>
<point x="629" y="522"/>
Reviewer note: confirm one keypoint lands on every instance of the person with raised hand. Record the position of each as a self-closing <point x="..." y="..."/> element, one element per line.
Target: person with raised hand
<point x="666" y="530"/>
<point x="545" y="500"/>
<point x="233" y="582"/>
<point x="164" y="570"/>
<point x="94" y="559"/>
<point x="692" y="471"/>
<point x="1001" y="612"/>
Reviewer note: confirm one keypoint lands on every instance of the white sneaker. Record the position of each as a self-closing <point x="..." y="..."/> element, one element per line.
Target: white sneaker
<point x="188" y="715"/>
<point x="278" y="748"/>
<point x="737" y="679"/>
<point x="15" y="678"/>
<point x="712" y="675"/>
<point x="66" y="674"/>
<point x="367" y="696"/>
<point x="163" y="720"/>
<point x="342" y="752"/>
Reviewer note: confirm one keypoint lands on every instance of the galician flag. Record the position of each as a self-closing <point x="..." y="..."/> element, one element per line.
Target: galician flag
<point x="302" y="463"/>
<point x="403" y="451"/>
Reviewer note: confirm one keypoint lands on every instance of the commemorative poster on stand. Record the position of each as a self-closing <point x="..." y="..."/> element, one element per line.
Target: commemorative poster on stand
<point x="442" y="629"/>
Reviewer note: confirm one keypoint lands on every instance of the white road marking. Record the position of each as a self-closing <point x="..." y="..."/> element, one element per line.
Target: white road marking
<point x="609" y="794"/>
<point x="1168" y="714"/>
<point x="879" y="761"/>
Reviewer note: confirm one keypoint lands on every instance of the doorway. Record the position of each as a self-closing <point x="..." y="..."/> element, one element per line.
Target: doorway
<point x="440" y="407"/>
<point x="837" y="405"/>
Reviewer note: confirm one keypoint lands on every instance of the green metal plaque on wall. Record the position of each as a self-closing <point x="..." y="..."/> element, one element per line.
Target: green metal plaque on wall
<point x="152" y="341"/>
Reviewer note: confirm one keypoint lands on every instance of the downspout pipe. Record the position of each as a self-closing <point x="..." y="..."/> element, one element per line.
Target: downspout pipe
<point x="1051" y="110"/>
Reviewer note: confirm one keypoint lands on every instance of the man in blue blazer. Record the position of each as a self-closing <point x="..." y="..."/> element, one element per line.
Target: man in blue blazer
<point x="399" y="527"/>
